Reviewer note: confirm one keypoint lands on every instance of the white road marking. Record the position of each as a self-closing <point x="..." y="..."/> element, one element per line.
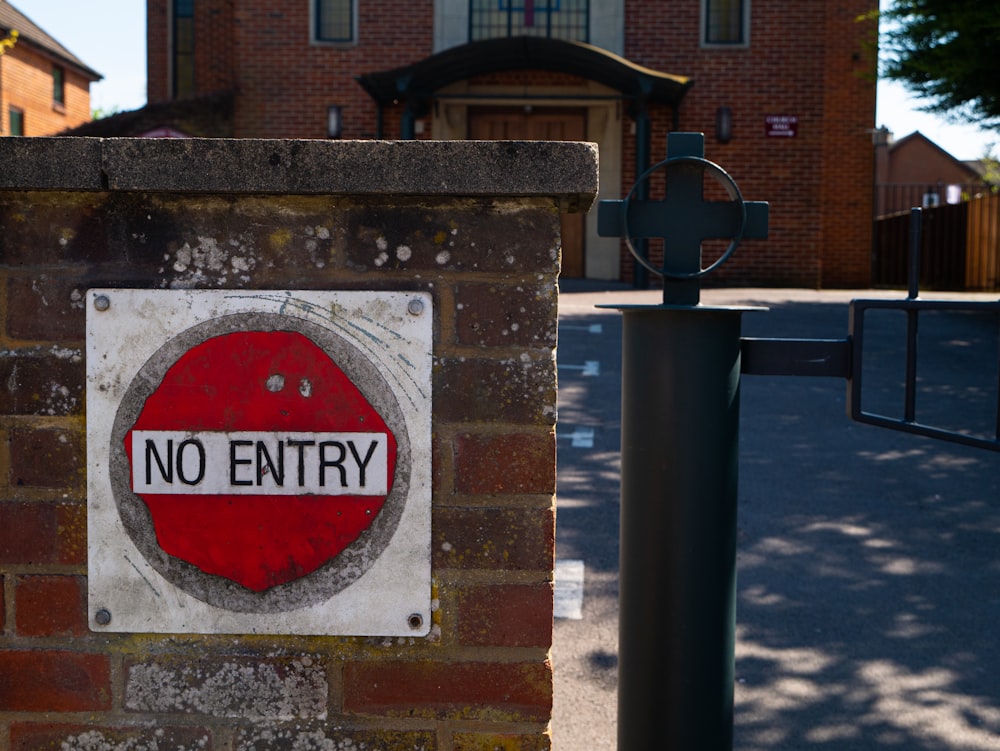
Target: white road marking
<point x="580" y="438"/>
<point x="569" y="590"/>
<point x="594" y="328"/>
<point x="589" y="367"/>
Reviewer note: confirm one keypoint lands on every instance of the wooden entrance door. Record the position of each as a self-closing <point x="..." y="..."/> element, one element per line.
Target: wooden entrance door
<point x="539" y="124"/>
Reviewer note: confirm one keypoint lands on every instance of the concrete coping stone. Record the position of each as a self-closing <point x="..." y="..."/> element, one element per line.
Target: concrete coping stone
<point x="566" y="171"/>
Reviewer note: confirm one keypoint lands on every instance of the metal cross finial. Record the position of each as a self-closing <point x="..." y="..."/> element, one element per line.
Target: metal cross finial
<point x="684" y="218"/>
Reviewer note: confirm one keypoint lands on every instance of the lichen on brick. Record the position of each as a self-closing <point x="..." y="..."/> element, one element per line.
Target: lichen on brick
<point x="212" y="262"/>
<point x="95" y="740"/>
<point x="284" y="691"/>
<point x="333" y="739"/>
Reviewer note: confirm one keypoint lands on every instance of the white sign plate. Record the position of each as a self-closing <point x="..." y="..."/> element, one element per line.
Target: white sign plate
<point x="259" y="461"/>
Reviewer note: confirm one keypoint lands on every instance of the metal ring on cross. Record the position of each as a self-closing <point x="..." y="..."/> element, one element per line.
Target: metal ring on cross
<point x="732" y="190"/>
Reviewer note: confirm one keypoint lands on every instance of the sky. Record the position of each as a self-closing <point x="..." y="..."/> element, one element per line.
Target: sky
<point x="110" y="37"/>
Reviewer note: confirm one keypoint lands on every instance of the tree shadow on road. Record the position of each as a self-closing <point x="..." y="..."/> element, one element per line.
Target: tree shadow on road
<point x="869" y="578"/>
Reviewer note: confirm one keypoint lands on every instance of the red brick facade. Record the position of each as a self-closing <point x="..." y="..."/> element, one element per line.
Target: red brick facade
<point x="26" y="85"/>
<point x="812" y="61"/>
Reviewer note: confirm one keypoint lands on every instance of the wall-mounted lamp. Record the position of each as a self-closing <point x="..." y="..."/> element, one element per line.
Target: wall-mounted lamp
<point x="723" y="125"/>
<point x="334" y="121"/>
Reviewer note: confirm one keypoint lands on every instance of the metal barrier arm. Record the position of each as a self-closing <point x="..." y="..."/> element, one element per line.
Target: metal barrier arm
<point x="843" y="358"/>
<point x="796" y="357"/>
<point x="909" y="423"/>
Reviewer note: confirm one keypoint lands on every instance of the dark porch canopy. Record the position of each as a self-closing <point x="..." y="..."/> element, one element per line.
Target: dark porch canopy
<point x="415" y="84"/>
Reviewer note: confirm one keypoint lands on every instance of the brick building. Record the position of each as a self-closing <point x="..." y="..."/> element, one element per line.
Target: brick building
<point x="785" y="93"/>
<point x="44" y="88"/>
<point x="915" y="171"/>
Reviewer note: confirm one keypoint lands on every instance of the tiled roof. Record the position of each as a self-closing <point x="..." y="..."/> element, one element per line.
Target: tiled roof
<point x="917" y="136"/>
<point x="12" y="18"/>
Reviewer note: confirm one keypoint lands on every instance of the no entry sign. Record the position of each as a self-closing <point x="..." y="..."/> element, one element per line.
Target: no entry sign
<point x="259" y="462"/>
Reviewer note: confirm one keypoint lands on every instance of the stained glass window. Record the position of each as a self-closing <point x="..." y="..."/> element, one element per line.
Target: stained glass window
<point x="557" y="19"/>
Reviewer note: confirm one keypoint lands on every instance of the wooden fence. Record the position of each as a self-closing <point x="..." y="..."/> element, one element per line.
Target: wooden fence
<point x="960" y="248"/>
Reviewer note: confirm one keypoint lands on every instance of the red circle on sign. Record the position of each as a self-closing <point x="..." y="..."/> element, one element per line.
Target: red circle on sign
<point x="271" y="382"/>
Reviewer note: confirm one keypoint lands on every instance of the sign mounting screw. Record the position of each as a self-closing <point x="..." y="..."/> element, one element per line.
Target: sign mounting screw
<point x="415" y="621"/>
<point x="102" y="302"/>
<point x="103" y="617"/>
<point x="415" y="307"/>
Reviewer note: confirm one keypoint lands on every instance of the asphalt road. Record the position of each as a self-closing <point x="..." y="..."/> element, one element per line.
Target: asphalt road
<point x="868" y="561"/>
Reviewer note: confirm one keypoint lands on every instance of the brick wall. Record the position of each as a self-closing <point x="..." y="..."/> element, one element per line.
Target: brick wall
<point x="848" y="161"/>
<point x="813" y="61"/>
<point x="116" y="215"/>
<point x="157" y="51"/>
<point x="810" y="60"/>
<point x="26" y="83"/>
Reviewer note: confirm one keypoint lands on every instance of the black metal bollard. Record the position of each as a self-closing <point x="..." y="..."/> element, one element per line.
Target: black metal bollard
<point x="680" y="424"/>
<point x="680" y="434"/>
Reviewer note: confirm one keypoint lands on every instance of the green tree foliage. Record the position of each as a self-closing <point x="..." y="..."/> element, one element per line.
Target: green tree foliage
<point x="99" y="113"/>
<point x="948" y="53"/>
<point x="991" y="169"/>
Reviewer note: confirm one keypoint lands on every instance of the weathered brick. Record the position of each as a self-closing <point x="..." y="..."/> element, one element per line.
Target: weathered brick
<point x="506" y="315"/>
<point x="27" y="532"/>
<point x="44" y="681"/>
<point x="506" y="615"/>
<point x="259" y="696"/>
<point x="484" y="691"/>
<point x="46" y="307"/>
<point x="223" y="241"/>
<point x="252" y="688"/>
<point x="50" y="606"/>
<point x="55" y="737"/>
<point x="465" y="237"/>
<point x="41" y="532"/>
<point x="71" y="534"/>
<point x="500" y="742"/>
<point x="46" y="458"/>
<point x="297" y="738"/>
<point x="45" y="381"/>
<point x="505" y="463"/>
<point x="496" y="539"/>
<point x="43" y="229"/>
<point x="521" y="390"/>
